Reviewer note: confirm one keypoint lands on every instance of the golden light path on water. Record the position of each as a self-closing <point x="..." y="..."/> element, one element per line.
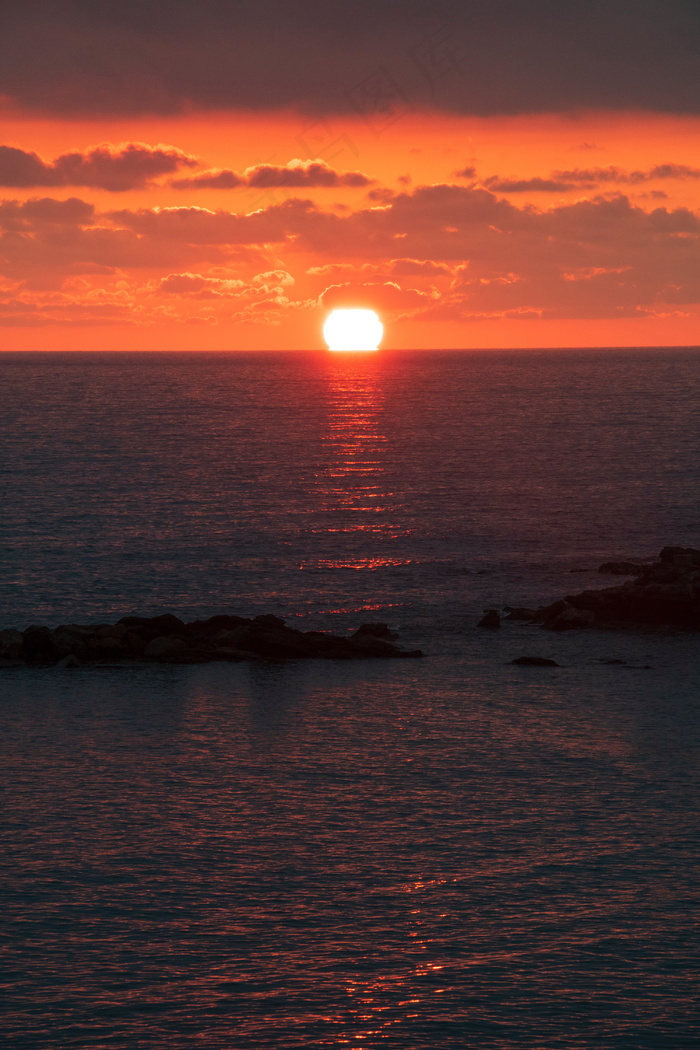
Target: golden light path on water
<point x="356" y="497"/>
<point x="353" y="484"/>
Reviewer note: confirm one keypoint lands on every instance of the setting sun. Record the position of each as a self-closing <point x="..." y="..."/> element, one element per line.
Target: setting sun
<point x="353" y="330"/>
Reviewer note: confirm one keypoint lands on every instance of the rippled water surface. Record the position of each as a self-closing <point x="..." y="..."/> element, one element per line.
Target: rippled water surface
<point x="453" y="852"/>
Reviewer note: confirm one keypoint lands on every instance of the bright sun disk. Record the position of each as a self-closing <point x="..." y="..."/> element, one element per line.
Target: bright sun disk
<point x="353" y="330"/>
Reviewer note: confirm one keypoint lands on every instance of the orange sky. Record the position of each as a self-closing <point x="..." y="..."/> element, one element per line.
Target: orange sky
<point x="604" y="251"/>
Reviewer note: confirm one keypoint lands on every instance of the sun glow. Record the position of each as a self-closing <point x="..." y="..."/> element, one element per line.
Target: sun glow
<point x="353" y="330"/>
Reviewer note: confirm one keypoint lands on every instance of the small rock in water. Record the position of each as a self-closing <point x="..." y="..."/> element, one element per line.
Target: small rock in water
<point x="491" y="619"/>
<point x="535" y="661"/>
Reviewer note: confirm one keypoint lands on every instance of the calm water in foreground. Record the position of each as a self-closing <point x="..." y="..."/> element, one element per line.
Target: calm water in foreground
<point x="453" y="852"/>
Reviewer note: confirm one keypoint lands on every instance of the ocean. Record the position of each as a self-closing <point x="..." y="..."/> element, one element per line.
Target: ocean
<point x="440" y="853"/>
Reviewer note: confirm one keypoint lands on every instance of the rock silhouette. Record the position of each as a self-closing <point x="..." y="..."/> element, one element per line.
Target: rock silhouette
<point x="168" y="639"/>
<point x="665" y="593"/>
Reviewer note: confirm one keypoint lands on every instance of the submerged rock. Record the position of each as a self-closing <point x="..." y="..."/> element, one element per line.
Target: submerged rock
<point x="535" y="661"/>
<point x="621" y="568"/>
<point x="518" y="613"/>
<point x="569" y="619"/>
<point x="68" y="662"/>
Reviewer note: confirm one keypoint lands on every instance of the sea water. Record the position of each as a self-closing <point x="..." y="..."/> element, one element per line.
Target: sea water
<point x="451" y="852"/>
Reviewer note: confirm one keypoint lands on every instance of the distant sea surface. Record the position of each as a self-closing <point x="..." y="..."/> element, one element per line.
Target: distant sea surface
<point x="447" y="853"/>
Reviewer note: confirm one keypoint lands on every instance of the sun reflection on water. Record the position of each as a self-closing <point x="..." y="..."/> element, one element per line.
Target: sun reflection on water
<point x="355" y="496"/>
<point x="381" y="1007"/>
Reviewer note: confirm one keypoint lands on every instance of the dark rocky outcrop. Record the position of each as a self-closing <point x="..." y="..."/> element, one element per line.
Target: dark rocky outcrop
<point x="664" y="593"/>
<point x="168" y="639"/>
<point x="490" y="619"/>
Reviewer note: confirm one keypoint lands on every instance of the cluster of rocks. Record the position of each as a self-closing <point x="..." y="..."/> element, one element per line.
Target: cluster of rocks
<point x="168" y="639"/>
<point x="663" y="593"/>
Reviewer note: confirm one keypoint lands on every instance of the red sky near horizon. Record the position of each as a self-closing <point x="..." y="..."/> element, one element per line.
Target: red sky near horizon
<point x="219" y="228"/>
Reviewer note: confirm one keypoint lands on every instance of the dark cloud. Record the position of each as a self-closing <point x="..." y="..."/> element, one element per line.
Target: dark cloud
<point x="216" y="179"/>
<point x="296" y="174"/>
<point x="42" y="240"/>
<point x="589" y="177"/>
<point x="382" y="195"/>
<point x="536" y="185"/>
<point x="376" y="59"/>
<point x="128" y="166"/>
<point x="19" y="168"/>
<point x="597" y="258"/>
<point x="470" y="252"/>
<point x="25" y="215"/>
<point x="303" y="173"/>
<point x="202" y="226"/>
